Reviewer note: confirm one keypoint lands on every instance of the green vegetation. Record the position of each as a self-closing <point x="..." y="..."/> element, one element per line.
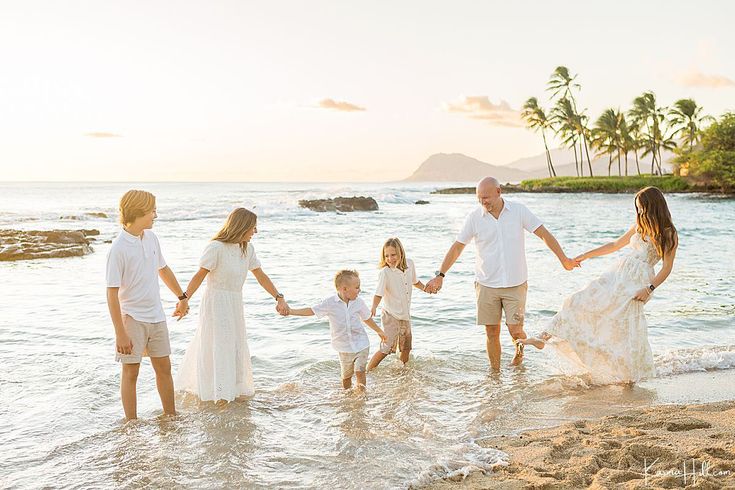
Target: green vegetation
<point x="667" y="183"/>
<point x="537" y="120"/>
<point x="712" y="161"/>
<point x="647" y="127"/>
<point x="612" y="185"/>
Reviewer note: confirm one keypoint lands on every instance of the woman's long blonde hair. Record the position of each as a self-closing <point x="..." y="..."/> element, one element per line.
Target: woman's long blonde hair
<point x="653" y="219"/>
<point x="239" y="222"/>
<point x="395" y="243"/>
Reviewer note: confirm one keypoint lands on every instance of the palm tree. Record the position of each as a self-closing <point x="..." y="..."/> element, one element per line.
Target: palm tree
<point x="687" y="120"/>
<point x="564" y="118"/>
<point x="637" y="140"/>
<point x="664" y="142"/>
<point x="584" y="132"/>
<point x="607" y="136"/>
<point x="536" y="120"/>
<point x="646" y="113"/>
<point x="627" y="141"/>
<point x="561" y="84"/>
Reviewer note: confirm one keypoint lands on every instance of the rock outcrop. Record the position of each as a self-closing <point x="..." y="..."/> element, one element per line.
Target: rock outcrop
<point x="341" y="204"/>
<point x="28" y="245"/>
<point x="85" y="216"/>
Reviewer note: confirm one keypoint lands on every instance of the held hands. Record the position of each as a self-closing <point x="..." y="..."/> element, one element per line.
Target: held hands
<point x="570" y="264"/>
<point x="282" y="307"/>
<point x="580" y="258"/>
<point x="643" y="295"/>
<point x="434" y="285"/>
<point x="182" y="309"/>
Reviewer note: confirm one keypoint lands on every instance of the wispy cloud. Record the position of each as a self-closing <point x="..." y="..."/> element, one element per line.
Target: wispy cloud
<point x="480" y="107"/>
<point x="339" y="105"/>
<point x="102" y="134"/>
<point x="695" y="78"/>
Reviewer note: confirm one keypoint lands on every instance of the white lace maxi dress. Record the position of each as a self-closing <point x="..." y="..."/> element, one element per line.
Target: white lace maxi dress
<point x="602" y="330"/>
<point x="217" y="365"/>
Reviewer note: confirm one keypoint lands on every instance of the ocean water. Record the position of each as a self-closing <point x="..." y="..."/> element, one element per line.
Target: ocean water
<point x="61" y="419"/>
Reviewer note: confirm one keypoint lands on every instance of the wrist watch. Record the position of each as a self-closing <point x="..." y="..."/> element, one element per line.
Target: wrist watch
<point x="439" y="273"/>
<point x="279" y="296"/>
<point x="183" y="296"/>
<point x="651" y="287"/>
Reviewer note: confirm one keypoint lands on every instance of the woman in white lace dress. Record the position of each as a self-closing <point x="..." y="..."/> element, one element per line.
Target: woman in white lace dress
<point x="602" y="329"/>
<point x="216" y="365"/>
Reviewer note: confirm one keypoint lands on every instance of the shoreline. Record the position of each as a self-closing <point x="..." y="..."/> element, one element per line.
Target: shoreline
<point x="518" y="189"/>
<point x="603" y="185"/>
<point x="603" y="442"/>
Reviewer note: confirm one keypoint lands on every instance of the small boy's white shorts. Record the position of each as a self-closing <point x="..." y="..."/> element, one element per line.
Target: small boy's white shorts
<point x="353" y="361"/>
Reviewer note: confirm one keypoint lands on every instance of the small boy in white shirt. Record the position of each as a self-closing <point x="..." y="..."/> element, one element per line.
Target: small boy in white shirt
<point x="347" y="313"/>
<point x="134" y="264"/>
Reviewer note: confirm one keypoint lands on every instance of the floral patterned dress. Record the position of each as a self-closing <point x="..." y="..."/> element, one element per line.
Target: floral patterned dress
<point x="601" y="329"/>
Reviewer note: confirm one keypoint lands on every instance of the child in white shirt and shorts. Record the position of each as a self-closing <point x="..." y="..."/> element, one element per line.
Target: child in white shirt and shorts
<point x="347" y="313"/>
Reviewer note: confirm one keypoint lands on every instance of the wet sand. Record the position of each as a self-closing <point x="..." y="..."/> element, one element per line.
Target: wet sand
<point x="681" y="445"/>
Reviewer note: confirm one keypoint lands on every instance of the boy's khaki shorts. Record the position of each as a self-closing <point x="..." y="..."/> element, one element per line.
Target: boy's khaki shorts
<point x="149" y="340"/>
<point x="350" y="362"/>
<point x="398" y="333"/>
<point x="491" y="302"/>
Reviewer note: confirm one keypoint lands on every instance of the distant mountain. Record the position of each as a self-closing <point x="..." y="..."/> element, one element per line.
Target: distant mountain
<point x="563" y="160"/>
<point x="538" y="162"/>
<point x="456" y="167"/>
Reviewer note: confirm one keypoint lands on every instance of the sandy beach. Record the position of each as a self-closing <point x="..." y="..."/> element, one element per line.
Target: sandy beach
<point x="668" y="446"/>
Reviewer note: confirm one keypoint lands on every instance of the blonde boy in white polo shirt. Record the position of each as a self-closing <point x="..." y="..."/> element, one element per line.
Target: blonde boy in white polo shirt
<point x="347" y="313"/>
<point x="497" y="226"/>
<point x="134" y="264"/>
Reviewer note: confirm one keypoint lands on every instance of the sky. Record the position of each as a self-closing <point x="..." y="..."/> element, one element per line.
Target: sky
<point x="325" y="90"/>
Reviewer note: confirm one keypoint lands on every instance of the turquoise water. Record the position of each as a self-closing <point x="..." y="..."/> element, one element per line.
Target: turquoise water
<point x="61" y="415"/>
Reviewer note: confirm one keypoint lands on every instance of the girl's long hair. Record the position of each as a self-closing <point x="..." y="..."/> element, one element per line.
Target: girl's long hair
<point x="238" y="223"/>
<point x="395" y="243"/>
<point x="653" y="219"/>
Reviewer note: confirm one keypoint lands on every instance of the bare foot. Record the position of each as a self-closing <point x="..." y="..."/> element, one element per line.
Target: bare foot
<point x="538" y="343"/>
<point x="518" y="358"/>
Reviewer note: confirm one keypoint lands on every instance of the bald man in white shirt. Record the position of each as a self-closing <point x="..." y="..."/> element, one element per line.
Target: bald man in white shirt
<point x="497" y="226"/>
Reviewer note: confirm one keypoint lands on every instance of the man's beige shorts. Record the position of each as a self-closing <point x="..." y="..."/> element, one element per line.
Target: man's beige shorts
<point x="350" y="362"/>
<point x="149" y="340"/>
<point x="491" y="302"/>
<point x="398" y="333"/>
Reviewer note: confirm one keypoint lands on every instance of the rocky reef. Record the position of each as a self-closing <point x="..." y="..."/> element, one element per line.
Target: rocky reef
<point x="28" y="245"/>
<point x="341" y="204"/>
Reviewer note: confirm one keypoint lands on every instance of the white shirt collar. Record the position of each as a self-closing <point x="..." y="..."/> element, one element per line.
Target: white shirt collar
<point x="129" y="237"/>
<point x="506" y="205"/>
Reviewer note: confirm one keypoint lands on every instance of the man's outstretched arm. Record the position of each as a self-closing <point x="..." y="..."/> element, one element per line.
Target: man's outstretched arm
<point x="554" y="246"/>
<point x="434" y="285"/>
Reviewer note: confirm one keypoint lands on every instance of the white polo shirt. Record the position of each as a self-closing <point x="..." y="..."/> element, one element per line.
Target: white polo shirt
<point x="500" y="243"/>
<point x="395" y="286"/>
<point x="345" y="323"/>
<point x="132" y="266"/>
